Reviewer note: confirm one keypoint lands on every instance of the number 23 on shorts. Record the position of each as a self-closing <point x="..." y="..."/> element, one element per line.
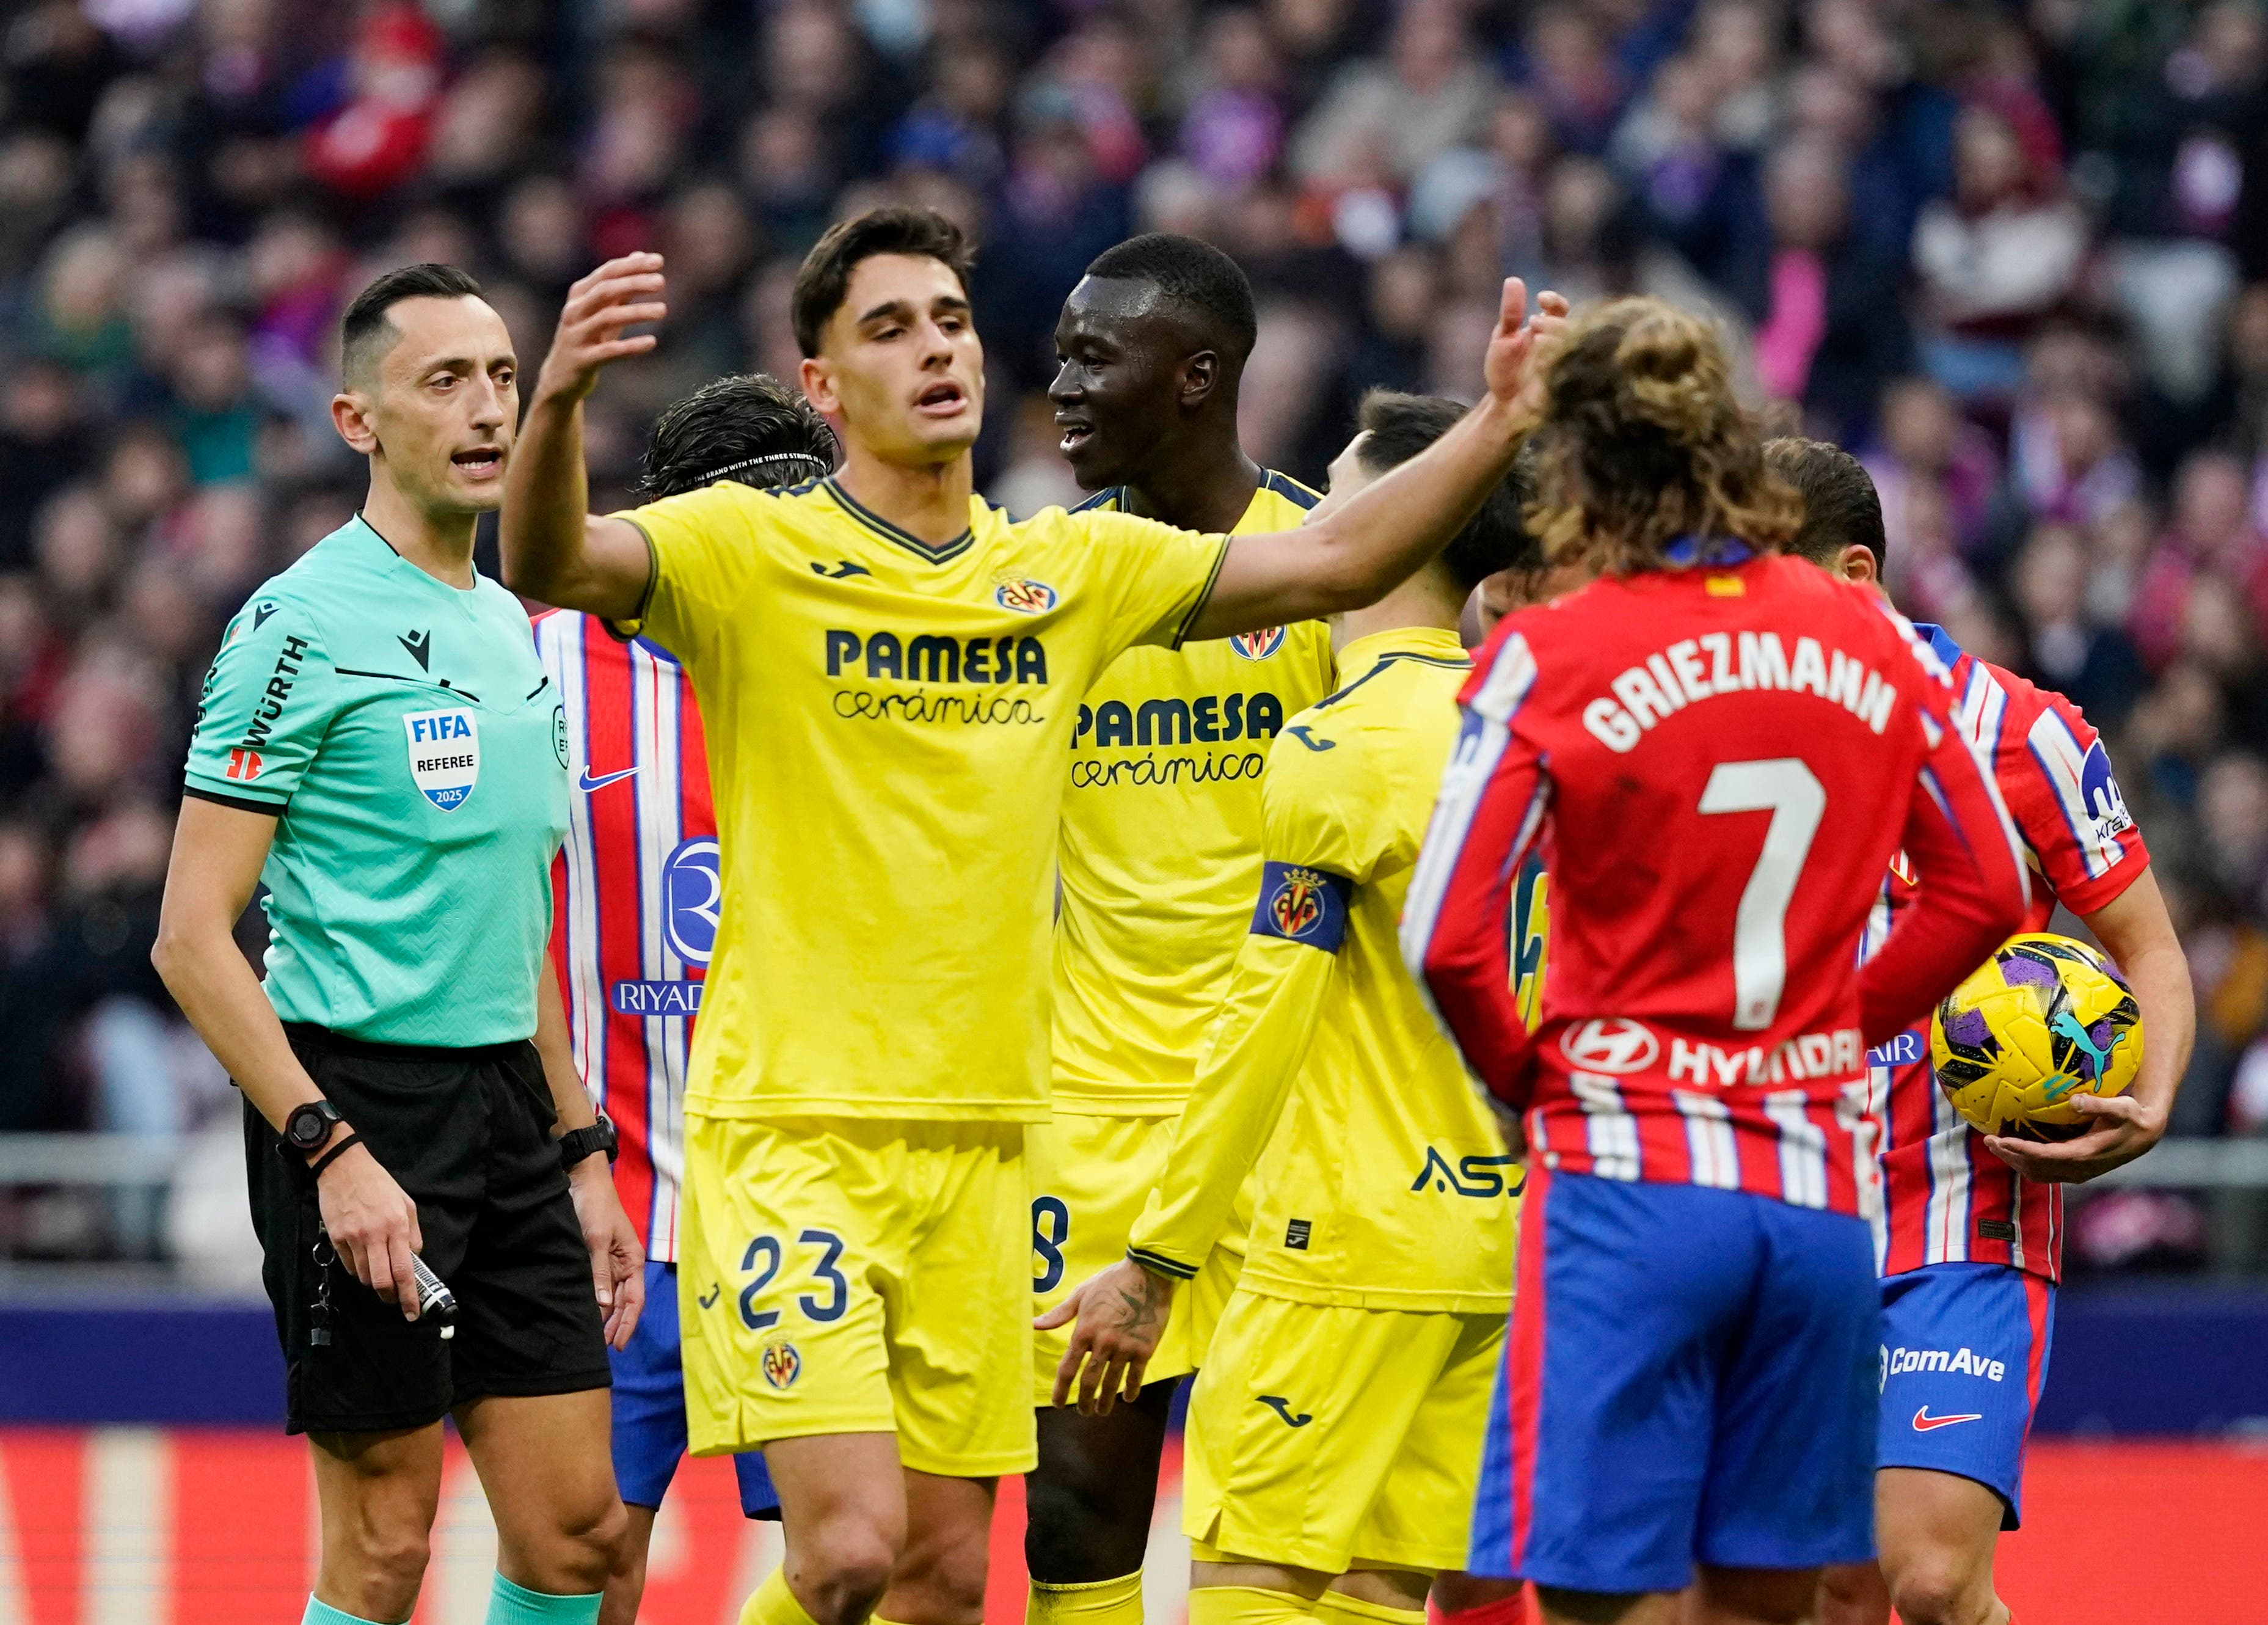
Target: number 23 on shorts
<point x="765" y="1257"/>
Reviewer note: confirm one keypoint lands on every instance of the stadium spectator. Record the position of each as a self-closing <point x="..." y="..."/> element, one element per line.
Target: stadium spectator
<point x="2052" y="205"/>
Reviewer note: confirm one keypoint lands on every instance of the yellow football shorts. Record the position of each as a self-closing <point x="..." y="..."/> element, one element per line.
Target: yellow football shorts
<point x="1329" y="1438"/>
<point x="1090" y="1178"/>
<point x="858" y="1275"/>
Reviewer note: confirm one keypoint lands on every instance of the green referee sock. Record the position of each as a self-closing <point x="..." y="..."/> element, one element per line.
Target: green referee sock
<point x="516" y="1605"/>
<point x="320" y="1613"/>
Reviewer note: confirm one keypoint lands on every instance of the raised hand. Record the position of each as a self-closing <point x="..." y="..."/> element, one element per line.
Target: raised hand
<point x="1510" y="368"/>
<point x="621" y="293"/>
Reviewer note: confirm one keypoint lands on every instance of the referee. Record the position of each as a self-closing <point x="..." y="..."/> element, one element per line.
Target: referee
<point x="378" y="742"/>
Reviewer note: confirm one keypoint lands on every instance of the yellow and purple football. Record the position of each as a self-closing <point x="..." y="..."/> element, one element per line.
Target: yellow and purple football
<point x="2043" y="1021"/>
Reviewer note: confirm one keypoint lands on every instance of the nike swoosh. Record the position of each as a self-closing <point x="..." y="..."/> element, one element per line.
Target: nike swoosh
<point x="709" y="1302"/>
<point x="1923" y="1421"/>
<point x="586" y="784"/>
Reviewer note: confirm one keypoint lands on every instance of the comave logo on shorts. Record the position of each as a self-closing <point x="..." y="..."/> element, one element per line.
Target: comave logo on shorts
<point x="445" y="754"/>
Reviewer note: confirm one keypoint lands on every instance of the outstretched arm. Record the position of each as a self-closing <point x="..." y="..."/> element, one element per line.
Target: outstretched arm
<point x="554" y="551"/>
<point x="1362" y="551"/>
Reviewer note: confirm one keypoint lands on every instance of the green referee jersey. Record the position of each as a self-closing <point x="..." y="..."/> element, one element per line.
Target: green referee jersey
<point x="414" y="754"/>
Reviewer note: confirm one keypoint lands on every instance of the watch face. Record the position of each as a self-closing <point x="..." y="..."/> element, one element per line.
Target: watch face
<point x="307" y="1126"/>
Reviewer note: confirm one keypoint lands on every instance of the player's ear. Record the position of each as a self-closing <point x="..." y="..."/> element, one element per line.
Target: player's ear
<point x="350" y="416"/>
<point x="818" y="386"/>
<point x="1856" y="565"/>
<point x="1200" y="373"/>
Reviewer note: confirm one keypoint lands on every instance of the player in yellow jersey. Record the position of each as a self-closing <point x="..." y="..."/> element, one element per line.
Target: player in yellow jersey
<point x="1334" y="1433"/>
<point x="889" y="671"/>
<point x="1161" y="854"/>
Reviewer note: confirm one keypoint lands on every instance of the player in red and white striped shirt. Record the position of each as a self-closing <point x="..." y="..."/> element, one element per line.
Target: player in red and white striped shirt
<point x="1971" y="1239"/>
<point x="637" y="887"/>
<point x="1689" y="1371"/>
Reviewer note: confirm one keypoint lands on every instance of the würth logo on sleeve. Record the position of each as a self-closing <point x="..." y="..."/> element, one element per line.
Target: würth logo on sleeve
<point x="244" y="763"/>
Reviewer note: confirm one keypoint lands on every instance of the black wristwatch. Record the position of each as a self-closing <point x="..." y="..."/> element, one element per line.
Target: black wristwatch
<point x="309" y="1125"/>
<point x="578" y="1143"/>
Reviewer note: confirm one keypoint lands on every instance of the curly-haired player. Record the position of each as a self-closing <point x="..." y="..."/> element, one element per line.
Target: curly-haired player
<point x="1692" y="1354"/>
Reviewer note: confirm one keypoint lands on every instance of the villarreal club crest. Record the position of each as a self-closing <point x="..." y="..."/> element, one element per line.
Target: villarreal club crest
<point x="781" y="1364"/>
<point x="2043" y="1021"/>
<point x="1258" y="646"/>
<point x="1298" y="904"/>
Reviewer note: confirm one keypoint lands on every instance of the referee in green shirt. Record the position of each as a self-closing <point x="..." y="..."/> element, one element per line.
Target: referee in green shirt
<point x="379" y="743"/>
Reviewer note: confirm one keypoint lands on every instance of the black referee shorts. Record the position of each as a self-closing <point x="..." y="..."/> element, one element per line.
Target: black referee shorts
<point x="467" y="1135"/>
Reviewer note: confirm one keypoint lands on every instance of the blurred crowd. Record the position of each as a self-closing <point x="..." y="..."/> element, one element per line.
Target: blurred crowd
<point x="2016" y="254"/>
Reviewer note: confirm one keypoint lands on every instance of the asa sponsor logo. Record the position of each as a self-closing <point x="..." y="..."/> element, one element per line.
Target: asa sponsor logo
<point x="1025" y="595"/>
<point x="1257" y="645"/>
<point x="445" y="754"/>
<point x="692" y="894"/>
<point x="781" y="1364"/>
<point x="1962" y="1362"/>
<point x="1472" y="1176"/>
<point x="1612" y="1044"/>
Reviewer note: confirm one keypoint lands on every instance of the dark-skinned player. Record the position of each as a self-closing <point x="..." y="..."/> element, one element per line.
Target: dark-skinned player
<point x="1160" y="856"/>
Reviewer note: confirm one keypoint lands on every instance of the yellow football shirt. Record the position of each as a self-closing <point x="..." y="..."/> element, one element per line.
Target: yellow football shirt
<point x="1387" y="1184"/>
<point x="1161" y="841"/>
<point x="886" y="724"/>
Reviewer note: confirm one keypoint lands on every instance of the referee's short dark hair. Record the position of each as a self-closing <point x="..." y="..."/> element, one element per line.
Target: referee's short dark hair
<point x="365" y="334"/>
<point x="1841" y="507"/>
<point x="1204" y="284"/>
<point x="824" y="278"/>
<point x="1396" y="427"/>
<point x="749" y="427"/>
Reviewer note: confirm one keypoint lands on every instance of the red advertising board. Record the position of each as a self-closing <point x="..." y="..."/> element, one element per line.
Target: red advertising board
<point x="194" y="1526"/>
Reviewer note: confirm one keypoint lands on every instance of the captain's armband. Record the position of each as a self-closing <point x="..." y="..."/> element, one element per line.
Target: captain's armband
<point x="1303" y="904"/>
